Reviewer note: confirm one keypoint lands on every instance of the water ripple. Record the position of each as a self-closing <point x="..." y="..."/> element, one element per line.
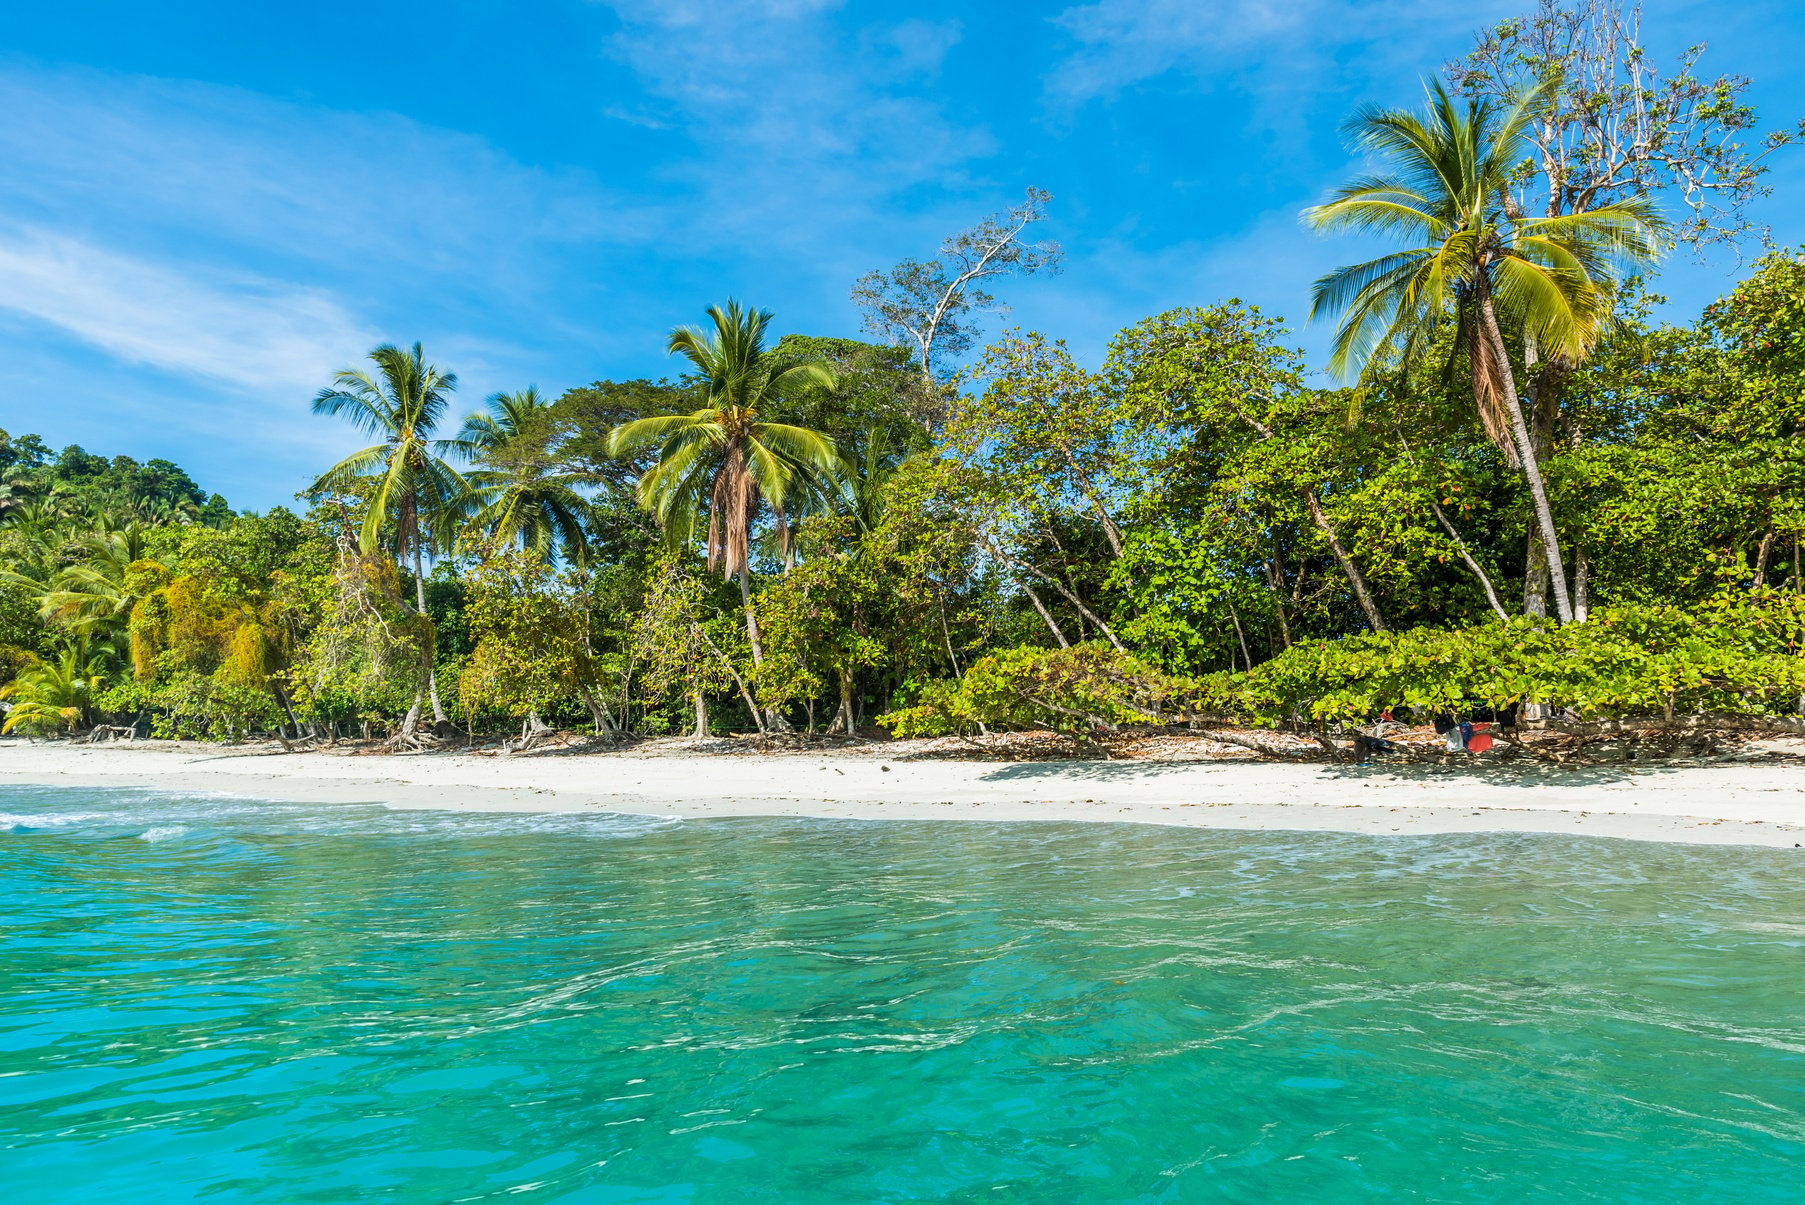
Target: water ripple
<point x="279" y="1002"/>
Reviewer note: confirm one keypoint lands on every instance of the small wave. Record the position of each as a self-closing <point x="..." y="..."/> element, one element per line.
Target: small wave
<point x="13" y="821"/>
<point x="163" y="832"/>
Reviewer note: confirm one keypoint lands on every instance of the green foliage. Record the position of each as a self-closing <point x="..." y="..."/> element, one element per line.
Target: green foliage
<point x="59" y="693"/>
<point x="670" y="634"/>
<point x="1077" y="692"/>
<point x="532" y="653"/>
<point x="1736" y="655"/>
<point x="156" y="492"/>
<point x="522" y="493"/>
<point x="818" y="623"/>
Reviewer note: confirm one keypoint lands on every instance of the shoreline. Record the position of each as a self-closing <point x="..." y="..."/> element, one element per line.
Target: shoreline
<point x="1723" y="804"/>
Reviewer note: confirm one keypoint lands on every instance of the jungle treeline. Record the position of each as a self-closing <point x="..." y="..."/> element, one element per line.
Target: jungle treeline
<point x="1511" y="486"/>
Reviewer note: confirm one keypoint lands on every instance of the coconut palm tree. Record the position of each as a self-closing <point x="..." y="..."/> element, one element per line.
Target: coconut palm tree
<point x="522" y="494"/>
<point x="411" y="492"/>
<point x="40" y="530"/>
<point x="724" y="464"/>
<point x="1471" y="253"/>
<point x="18" y="486"/>
<point x="57" y="694"/>
<point x="95" y="596"/>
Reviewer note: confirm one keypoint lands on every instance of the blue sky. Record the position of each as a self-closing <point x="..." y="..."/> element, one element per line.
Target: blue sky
<point x="206" y="208"/>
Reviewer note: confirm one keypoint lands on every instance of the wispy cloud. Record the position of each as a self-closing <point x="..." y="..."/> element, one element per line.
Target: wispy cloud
<point x="288" y="188"/>
<point x="1297" y="47"/>
<point x="242" y="331"/>
<point x="803" y="127"/>
<point x="1122" y="42"/>
<point x="239" y="248"/>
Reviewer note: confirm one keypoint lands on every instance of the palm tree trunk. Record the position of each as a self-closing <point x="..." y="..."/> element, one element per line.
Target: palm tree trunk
<point x="432" y="673"/>
<point x="1535" y="575"/>
<point x="772" y="721"/>
<point x="1532" y="468"/>
<point x="752" y="634"/>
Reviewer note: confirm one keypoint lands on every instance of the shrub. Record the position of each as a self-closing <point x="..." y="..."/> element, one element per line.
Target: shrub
<point x="1076" y="692"/>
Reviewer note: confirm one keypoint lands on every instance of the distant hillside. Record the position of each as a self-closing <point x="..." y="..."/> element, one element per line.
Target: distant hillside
<point x="157" y="489"/>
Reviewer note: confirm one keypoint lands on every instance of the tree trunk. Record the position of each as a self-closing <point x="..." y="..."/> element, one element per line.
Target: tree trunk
<point x="1275" y="582"/>
<point x="599" y="715"/>
<point x="758" y="717"/>
<point x="432" y="671"/>
<point x="701" y="714"/>
<point x="411" y="722"/>
<point x="282" y="698"/>
<point x="1761" y="555"/>
<point x="1535" y="576"/>
<point x="843" y="718"/>
<point x="1077" y="604"/>
<point x="946" y="632"/>
<point x="1376" y="620"/>
<point x="769" y="719"/>
<point x="1532" y="466"/>
<point x="752" y="633"/>
<point x="1582" y="584"/>
<point x="1046" y="615"/>
<point x="1485" y="582"/>
<point x="1246" y="657"/>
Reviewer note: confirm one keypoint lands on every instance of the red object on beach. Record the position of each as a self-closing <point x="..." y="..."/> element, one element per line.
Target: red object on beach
<point x="1481" y="740"/>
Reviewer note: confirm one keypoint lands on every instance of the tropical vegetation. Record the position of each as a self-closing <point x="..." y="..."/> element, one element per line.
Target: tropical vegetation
<point x="1512" y="487"/>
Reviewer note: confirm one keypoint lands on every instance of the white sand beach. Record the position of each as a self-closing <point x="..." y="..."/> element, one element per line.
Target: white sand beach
<point x="1757" y="801"/>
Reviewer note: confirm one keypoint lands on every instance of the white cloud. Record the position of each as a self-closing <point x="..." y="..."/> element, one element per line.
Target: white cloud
<point x="805" y="128"/>
<point x="1290" y="47"/>
<point x="187" y="171"/>
<point x="1122" y="42"/>
<point x="247" y="332"/>
<point x="179" y="240"/>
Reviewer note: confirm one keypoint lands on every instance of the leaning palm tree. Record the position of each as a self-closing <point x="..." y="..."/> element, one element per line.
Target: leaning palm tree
<point x="412" y="493"/>
<point x="1471" y="253"/>
<point x="723" y="464"/>
<point x="522" y="494"/>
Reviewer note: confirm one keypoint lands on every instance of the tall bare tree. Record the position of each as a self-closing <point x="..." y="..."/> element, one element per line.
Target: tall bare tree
<point x="932" y="305"/>
<point x="1611" y="125"/>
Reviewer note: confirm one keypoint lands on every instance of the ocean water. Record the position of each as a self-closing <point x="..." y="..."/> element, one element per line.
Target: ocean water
<point x="215" y="999"/>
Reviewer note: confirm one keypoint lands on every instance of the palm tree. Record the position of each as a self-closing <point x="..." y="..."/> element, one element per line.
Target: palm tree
<point x="18" y="486"/>
<point x="724" y="460"/>
<point x="873" y="458"/>
<point x="95" y="597"/>
<point x="405" y="474"/>
<point x="522" y="495"/>
<point x="59" y="694"/>
<point x="41" y="529"/>
<point x="1471" y="252"/>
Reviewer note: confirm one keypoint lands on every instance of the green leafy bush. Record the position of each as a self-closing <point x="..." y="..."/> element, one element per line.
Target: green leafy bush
<point x="1732" y="656"/>
<point x="1074" y="691"/>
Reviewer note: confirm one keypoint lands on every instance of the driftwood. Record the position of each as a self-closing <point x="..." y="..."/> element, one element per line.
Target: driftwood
<point x="533" y="730"/>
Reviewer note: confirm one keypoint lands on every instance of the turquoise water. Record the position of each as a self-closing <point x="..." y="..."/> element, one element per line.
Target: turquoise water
<point x="224" y="1000"/>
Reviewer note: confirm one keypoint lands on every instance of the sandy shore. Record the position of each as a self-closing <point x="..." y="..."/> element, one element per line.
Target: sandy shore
<point x="1731" y="804"/>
